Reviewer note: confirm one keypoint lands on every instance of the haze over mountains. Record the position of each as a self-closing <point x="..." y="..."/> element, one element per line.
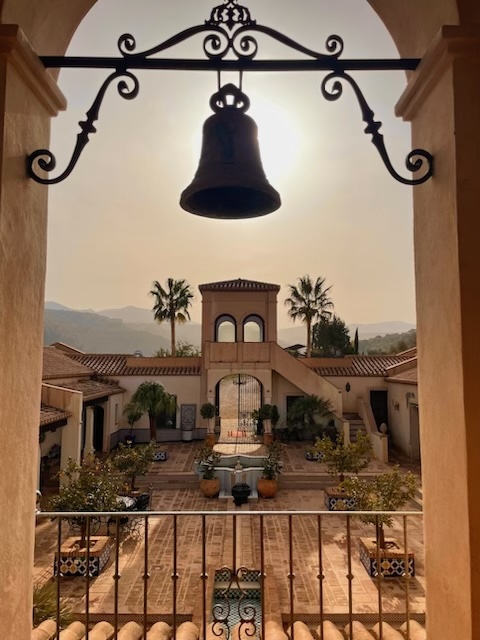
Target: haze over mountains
<point x="130" y="328"/>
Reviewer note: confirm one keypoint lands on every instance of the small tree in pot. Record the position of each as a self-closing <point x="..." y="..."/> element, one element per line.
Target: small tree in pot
<point x="341" y="458"/>
<point x="207" y="411"/>
<point x="386" y="492"/>
<point x="91" y="486"/>
<point x="133" y="414"/>
<point x="133" y="462"/>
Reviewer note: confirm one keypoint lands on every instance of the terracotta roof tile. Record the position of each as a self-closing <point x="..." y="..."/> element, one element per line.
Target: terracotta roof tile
<point x="93" y="389"/>
<point x="240" y="284"/>
<point x="406" y="377"/>
<point x="363" y="366"/>
<point x="48" y="415"/>
<point x="57" y="364"/>
<point x="116" y="365"/>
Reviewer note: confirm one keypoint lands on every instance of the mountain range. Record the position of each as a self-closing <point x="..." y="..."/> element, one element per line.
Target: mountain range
<point x="130" y="328"/>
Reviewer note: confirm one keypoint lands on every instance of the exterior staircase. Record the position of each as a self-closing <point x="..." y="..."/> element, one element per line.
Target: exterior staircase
<point x="356" y="425"/>
<point x="304" y="378"/>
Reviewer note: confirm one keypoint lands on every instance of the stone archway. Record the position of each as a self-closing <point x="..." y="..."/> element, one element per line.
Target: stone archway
<point x="442" y="101"/>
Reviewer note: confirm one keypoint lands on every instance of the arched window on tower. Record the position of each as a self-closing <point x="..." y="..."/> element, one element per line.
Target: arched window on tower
<point x="253" y="329"/>
<point x="225" y="329"/>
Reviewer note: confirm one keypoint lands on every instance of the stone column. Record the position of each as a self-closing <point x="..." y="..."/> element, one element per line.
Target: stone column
<point x="443" y="102"/>
<point x="89" y="417"/>
<point x="29" y="98"/>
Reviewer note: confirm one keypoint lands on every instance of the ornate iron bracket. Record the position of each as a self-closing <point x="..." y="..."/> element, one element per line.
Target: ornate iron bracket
<point x="229" y="32"/>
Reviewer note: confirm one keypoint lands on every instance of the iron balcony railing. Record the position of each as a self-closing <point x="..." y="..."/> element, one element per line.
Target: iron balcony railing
<point x="224" y="568"/>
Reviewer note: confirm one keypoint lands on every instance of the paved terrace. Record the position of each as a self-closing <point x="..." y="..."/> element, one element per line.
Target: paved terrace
<point x="220" y="552"/>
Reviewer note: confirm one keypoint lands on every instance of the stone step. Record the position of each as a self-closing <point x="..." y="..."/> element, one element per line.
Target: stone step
<point x="185" y="480"/>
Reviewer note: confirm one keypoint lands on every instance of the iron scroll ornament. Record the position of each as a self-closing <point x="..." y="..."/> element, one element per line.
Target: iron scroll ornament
<point x="415" y="159"/>
<point x="228" y="31"/>
<point x="45" y="159"/>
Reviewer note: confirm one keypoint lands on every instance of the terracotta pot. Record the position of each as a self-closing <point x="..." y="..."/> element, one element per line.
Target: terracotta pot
<point x="267" y="488"/>
<point x="210" y="488"/>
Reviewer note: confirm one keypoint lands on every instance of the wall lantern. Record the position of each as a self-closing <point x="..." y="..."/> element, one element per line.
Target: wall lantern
<point x="230" y="182"/>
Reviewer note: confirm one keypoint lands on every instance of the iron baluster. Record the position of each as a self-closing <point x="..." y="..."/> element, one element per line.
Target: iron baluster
<point x="349" y="576"/>
<point x="379" y="579"/>
<point x="116" y="576"/>
<point x="291" y="576"/>
<point x="321" y="575"/>
<point x="146" y="577"/>
<point x="407" y="578"/>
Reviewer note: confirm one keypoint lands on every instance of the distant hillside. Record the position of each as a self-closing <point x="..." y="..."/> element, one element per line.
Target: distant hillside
<point x="391" y="343"/>
<point x="94" y="333"/>
<point x="297" y="334"/>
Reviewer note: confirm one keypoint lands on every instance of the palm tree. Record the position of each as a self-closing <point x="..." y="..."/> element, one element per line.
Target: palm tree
<point x="151" y="398"/>
<point x="309" y="301"/>
<point x="172" y="304"/>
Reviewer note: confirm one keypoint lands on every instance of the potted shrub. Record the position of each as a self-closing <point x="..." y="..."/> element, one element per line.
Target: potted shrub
<point x="133" y="462"/>
<point x="90" y="486"/>
<point x="264" y="417"/>
<point x="272" y="465"/>
<point x="207" y="411"/>
<point x="341" y="458"/>
<point x="133" y="414"/>
<point x="386" y="492"/>
<point x="207" y="460"/>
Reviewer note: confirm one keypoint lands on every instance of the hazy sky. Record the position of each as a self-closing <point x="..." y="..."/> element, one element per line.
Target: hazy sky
<point x="115" y="225"/>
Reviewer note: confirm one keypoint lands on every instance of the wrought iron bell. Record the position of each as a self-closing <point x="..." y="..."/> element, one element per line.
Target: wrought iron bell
<point x="230" y="182"/>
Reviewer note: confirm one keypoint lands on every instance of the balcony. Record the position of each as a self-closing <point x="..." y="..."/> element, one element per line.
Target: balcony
<point x="216" y="569"/>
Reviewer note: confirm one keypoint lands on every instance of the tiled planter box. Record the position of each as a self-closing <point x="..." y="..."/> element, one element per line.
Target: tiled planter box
<point x="73" y="559"/>
<point x="392" y="559"/>
<point x="334" y="495"/>
<point x="313" y="457"/>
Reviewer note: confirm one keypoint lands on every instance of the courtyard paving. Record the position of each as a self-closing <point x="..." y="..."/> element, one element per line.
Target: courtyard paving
<point x="280" y="559"/>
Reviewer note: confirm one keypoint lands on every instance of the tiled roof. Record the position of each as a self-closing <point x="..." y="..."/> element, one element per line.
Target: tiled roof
<point x="240" y="284"/>
<point x="362" y="366"/>
<point x="57" y="364"/>
<point x="48" y="415"/>
<point x="406" y="377"/>
<point x="93" y="389"/>
<point x="116" y="365"/>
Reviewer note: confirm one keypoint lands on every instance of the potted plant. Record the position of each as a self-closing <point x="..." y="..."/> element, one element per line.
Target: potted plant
<point x="207" y="460"/>
<point x="133" y="414"/>
<point x="341" y="458"/>
<point x="207" y="411"/>
<point x="386" y="492"/>
<point x="272" y="465"/>
<point x="91" y="486"/>
<point x="264" y="417"/>
<point x="133" y="462"/>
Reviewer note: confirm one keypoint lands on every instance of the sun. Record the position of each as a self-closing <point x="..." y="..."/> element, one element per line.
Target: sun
<point x="280" y="140"/>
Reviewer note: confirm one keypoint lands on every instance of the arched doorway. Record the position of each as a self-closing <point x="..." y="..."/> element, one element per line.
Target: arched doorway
<point x="238" y="397"/>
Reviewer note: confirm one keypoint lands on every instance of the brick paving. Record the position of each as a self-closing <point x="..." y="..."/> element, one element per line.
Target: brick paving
<point x="219" y="552"/>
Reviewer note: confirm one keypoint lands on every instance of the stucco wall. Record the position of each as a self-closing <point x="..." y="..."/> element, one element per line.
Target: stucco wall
<point x="185" y="388"/>
<point x="399" y="414"/>
<point x="359" y="387"/>
<point x="240" y="305"/>
<point x="71" y="433"/>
